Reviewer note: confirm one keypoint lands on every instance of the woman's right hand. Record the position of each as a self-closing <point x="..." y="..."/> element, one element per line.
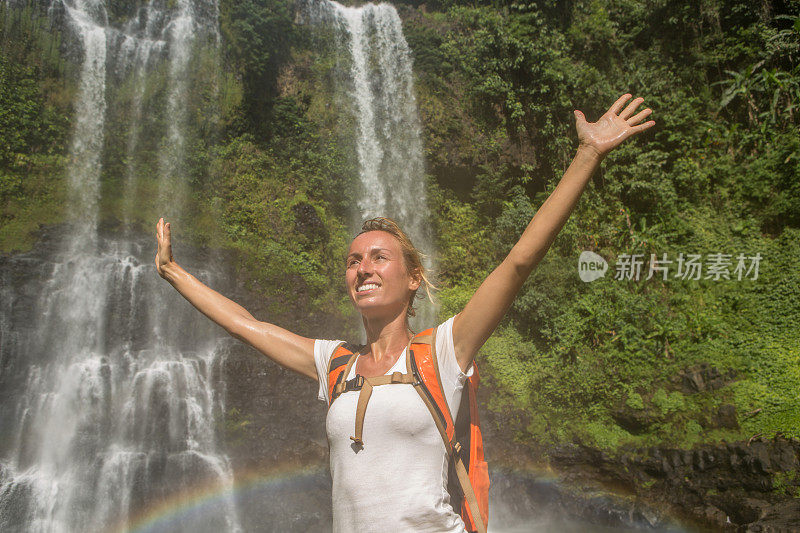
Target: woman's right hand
<point x="164" y="253"/>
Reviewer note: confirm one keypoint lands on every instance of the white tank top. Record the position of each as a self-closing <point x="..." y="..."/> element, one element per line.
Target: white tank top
<point x="398" y="480"/>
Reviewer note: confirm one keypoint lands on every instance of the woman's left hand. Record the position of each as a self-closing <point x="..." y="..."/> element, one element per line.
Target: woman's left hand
<point x="613" y="127"/>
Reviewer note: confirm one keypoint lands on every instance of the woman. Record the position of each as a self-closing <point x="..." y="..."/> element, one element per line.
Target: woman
<point x="398" y="481"/>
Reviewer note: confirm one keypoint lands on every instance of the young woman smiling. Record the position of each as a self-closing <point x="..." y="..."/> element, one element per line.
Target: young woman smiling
<point x="399" y="481"/>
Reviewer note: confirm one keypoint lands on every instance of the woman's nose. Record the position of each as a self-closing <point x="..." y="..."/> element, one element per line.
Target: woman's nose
<point x="365" y="266"/>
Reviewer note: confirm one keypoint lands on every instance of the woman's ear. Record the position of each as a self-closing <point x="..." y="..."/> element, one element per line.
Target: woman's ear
<point x="416" y="280"/>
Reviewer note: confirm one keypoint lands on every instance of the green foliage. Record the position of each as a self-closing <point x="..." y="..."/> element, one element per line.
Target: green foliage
<point x="33" y="125"/>
<point x="463" y="245"/>
<point x="668" y="403"/>
<point x="237" y="425"/>
<point x="513" y="363"/>
<point x="257" y="36"/>
<point x="634" y="401"/>
<point x="497" y="84"/>
<point x="787" y="483"/>
<point x="291" y="247"/>
<point x="28" y="124"/>
<point x="600" y="433"/>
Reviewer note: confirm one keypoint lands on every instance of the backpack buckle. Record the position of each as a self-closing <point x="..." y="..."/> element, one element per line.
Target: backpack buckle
<point x="354" y="384"/>
<point x="456" y="447"/>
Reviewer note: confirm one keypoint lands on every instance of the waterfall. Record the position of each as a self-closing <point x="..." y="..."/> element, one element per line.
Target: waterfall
<point x="90" y="110"/>
<point x="379" y="82"/>
<point x="110" y="383"/>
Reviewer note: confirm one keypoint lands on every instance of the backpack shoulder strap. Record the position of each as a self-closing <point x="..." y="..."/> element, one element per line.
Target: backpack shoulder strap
<point x="422" y="362"/>
<point x="339" y="367"/>
<point x="477" y="468"/>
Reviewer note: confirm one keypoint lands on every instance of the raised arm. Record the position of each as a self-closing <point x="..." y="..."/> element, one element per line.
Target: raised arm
<point x="479" y="318"/>
<point x="284" y="347"/>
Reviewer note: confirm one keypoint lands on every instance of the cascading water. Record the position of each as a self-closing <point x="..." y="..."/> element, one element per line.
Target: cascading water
<point x="110" y="382"/>
<point x="380" y="86"/>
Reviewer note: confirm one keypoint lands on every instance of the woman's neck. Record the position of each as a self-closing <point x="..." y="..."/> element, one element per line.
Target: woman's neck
<point x="386" y="338"/>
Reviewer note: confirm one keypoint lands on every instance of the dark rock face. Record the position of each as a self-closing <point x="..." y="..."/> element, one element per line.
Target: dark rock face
<point x="730" y="486"/>
<point x="518" y="500"/>
<point x="726" y="417"/>
<point x="784" y="516"/>
<point x="276" y="436"/>
<point x="635" y="421"/>
<point x="308" y="223"/>
<point x="703" y="377"/>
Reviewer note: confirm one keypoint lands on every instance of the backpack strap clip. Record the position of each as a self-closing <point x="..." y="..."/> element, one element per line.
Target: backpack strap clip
<point x="355" y="384"/>
<point x="350" y="385"/>
<point x="455" y="447"/>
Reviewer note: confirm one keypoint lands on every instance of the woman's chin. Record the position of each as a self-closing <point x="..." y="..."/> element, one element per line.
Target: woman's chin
<point x="369" y="311"/>
<point x="374" y="310"/>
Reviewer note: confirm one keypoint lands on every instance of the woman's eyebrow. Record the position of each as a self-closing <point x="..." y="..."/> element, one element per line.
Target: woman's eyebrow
<point x="371" y="250"/>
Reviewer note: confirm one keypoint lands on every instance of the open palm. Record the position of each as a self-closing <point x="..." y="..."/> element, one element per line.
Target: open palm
<point x="164" y="246"/>
<point x="614" y="126"/>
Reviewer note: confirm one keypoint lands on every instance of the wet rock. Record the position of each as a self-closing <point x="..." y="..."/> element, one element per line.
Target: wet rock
<point x="741" y="510"/>
<point x="699" y="460"/>
<point x="726" y="417"/>
<point x="693" y="381"/>
<point x="518" y="499"/>
<point x="308" y="223"/>
<point x="635" y="421"/>
<point x="728" y="486"/>
<point x="782" y="517"/>
<point x="703" y="377"/>
<point x="713" y="516"/>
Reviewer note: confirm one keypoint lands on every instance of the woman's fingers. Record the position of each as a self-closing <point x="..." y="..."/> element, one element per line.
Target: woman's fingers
<point x="638" y="117"/>
<point x="630" y="108"/>
<point x="580" y="119"/>
<point x="642" y="127"/>
<point x="616" y="106"/>
<point x="164" y="249"/>
<point x="163" y="232"/>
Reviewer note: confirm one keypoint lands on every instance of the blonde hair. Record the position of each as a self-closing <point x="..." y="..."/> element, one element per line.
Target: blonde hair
<point x="411" y="255"/>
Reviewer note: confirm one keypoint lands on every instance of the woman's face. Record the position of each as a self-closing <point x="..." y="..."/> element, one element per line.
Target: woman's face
<point x="377" y="279"/>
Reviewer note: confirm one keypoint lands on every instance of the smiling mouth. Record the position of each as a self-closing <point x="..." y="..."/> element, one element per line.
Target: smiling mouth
<point x="366" y="288"/>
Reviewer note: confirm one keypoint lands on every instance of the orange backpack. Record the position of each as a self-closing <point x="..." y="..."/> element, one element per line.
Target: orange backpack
<point x="462" y="438"/>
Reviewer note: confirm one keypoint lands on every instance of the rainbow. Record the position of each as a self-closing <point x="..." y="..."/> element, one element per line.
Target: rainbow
<point x="164" y="515"/>
<point x="158" y="517"/>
